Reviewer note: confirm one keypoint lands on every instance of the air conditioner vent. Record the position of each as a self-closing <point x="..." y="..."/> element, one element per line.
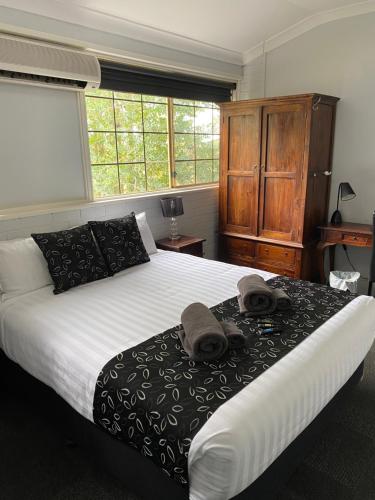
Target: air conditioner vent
<point x="42" y="80"/>
<point x="44" y="64"/>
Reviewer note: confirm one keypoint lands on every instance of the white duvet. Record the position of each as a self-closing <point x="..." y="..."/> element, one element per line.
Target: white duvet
<point x="65" y="340"/>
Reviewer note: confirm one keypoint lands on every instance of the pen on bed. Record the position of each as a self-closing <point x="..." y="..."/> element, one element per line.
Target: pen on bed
<point x="269" y="325"/>
<point x="272" y="330"/>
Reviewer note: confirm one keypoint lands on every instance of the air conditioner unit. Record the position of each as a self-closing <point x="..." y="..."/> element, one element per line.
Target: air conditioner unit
<point x="38" y="63"/>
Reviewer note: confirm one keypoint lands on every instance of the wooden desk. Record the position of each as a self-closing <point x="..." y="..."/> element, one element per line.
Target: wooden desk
<point x="347" y="233"/>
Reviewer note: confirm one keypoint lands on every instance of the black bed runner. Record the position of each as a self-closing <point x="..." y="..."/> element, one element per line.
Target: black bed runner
<point x="154" y="398"/>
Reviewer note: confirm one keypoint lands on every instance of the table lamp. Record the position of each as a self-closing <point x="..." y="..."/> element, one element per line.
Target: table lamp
<point x="172" y="208"/>
<point x="344" y="193"/>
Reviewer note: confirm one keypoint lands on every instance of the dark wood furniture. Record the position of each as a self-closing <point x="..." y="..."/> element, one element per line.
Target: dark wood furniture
<point x="275" y="171"/>
<point x="186" y="244"/>
<point x="347" y="233"/>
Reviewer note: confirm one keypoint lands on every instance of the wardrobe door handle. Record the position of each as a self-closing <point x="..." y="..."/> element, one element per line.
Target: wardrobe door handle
<point x="327" y="173"/>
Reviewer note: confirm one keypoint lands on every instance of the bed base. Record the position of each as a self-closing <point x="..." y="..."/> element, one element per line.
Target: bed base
<point x="139" y="474"/>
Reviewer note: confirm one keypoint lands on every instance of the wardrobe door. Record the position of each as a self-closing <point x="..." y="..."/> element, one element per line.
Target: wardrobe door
<point x="239" y="173"/>
<point x="283" y="161"/>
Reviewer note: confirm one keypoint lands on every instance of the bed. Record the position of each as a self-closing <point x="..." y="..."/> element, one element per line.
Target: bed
<point x="65" y="340"/>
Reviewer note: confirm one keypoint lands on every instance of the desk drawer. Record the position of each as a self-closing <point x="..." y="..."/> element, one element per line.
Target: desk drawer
<point x="355" y="239"/>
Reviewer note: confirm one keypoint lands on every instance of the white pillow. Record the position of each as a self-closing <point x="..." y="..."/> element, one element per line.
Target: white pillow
<point x="22" y="268"/>
<point x="144" y="229"/>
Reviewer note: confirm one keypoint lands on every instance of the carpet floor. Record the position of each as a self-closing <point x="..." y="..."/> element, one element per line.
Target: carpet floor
<point x="35" y="463"/>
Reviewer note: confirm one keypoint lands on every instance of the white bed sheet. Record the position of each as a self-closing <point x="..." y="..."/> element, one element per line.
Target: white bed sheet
<point x="65" y="340"/>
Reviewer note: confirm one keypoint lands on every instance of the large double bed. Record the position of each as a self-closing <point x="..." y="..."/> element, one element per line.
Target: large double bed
<point x="65" y="340"/>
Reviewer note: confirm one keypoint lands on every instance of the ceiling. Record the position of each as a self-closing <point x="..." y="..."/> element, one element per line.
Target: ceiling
<point x="237" y="27"/>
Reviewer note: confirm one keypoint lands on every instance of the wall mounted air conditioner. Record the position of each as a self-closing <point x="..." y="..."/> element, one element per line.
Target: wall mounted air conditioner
<point x="38" y="63"/>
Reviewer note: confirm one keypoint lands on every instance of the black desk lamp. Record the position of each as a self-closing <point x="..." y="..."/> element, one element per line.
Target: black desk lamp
<point x="345" y="193"/>
<point x="172" y="207"/>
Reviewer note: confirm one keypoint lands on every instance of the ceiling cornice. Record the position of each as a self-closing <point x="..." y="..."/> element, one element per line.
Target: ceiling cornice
<point x="56" y="9"/>
<point x="82" y="16"/>
<point x="305" y="25"/>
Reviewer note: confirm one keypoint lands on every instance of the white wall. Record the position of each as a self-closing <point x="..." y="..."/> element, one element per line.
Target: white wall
<point x="40" y="146"/>
<point x="337" y="58"/>
<point x="41" y="162"/>
<point x="40" y="143"/>
<point x="200" y="218"/>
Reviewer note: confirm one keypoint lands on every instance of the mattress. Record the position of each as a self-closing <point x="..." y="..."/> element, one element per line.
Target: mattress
<point x="65" y="340"/>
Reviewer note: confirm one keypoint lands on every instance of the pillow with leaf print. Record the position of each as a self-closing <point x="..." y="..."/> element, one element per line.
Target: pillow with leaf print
<point x="72" y="256"/>
<point x="120" y="242"/>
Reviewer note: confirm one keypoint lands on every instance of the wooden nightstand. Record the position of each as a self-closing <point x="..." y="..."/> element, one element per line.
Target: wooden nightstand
<point x="186" y="244"/>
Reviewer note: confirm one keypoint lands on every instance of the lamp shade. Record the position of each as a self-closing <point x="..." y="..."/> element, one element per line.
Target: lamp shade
<point x="172" y="207"/>
<point x="347" y="192"/>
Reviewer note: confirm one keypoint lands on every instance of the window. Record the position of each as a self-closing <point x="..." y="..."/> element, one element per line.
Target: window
<point x="143" y="143"/>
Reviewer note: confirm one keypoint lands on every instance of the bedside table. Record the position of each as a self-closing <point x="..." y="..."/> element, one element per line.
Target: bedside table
<point x="186" y="244"/>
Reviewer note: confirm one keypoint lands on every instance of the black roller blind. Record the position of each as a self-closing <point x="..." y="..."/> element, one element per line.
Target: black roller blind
<point x="124" y="78"/>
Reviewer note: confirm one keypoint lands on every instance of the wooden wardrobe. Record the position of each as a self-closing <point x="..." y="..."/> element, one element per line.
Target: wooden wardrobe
<point x="275" y="171"/>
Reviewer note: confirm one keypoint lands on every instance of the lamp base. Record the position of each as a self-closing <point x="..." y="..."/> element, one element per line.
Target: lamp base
<point x="336" y="218"/>
<point x="173" y="230"/>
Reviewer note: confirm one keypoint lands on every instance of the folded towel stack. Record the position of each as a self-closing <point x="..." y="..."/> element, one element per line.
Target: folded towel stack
<point x="235" y="336"/>
<point x="257" y="298"/>
<point x="203" y="337"/>
<point x="283" y="301"/>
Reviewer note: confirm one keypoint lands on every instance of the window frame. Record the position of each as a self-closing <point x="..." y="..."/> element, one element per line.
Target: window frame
<point x="173" y="186"/>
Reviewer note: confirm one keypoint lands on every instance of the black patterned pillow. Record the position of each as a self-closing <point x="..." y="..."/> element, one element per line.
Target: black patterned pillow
<point x="120" y="242"/>
<point x="73" y="257"/>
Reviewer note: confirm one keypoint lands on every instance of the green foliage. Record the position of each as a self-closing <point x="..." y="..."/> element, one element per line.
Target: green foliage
<point x="155" y="117"/>
<point x="128" y="139"/>
<point x="102" y="147"/>
<point x="128" y="116"/>
<point x="130" y="147"/>
<point x="132" y="178"/>
<point x="154" y="98"/>
<point x="183" y="120"/>
<point x="204" y="171"/>
<point x="99" y="93"/>
<point x="184" y="147"/>
<point x="188" y="102"/>
<point x="156" y="146"/>
<point x="127" y="96"/>
<point x="105" y="180"/>
<point x="157" y="176"/>
<point x="185" y="173"/>
<point x="215" y="171"/>
<point x="216" y="146"/>
<point x="203" y="147"/>
<point x="100" y="114"/>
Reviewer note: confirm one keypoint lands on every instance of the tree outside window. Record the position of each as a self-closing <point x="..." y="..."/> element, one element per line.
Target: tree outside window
<point x="143" y="143"/>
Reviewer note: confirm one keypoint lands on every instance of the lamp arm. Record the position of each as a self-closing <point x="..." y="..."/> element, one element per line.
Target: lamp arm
<point x="338" y="196"/>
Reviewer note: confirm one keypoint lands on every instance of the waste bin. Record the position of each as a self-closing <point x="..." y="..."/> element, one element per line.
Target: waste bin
<point x="344" y="280"/>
